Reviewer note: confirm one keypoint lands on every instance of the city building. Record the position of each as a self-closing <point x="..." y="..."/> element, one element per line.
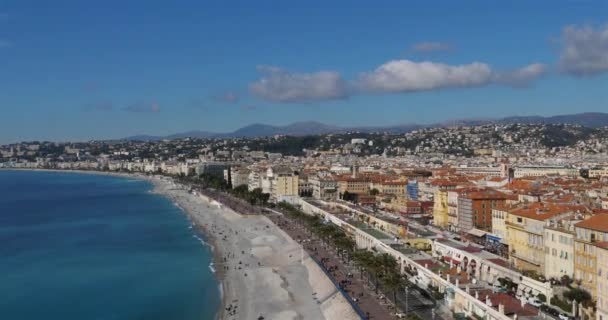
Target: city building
<point x="475" y="209"/>
<point x="602" y="280"/>
<point x="559" y="249"/>
<point x="323" y="188"/>
<point x="588" y="233"/>
<point x="284" y="182"/>
<point x="526" y="231"/>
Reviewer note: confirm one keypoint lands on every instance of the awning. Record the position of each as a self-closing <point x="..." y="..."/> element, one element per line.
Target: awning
<point x="448" y="259"/>
<point x="476" y="232"/>
<point x="493" y="237"/>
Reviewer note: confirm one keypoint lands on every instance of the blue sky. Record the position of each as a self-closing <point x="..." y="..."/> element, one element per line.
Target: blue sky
<point x="80" y="70"/>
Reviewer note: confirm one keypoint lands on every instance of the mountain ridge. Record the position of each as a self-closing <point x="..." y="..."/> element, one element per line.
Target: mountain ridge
<point x="303" y="128"/>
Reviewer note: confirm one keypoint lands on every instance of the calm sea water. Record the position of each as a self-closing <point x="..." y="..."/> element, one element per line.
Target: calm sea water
<point x="76" y="246"/>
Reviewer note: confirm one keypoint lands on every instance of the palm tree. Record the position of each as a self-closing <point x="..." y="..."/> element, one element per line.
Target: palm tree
<point x="326" y="232"/>
<point x="388" y="262"/>
<point x="375" y="266"/>
<point x="362" y="258"/>
<point x="393" y="281"/>
<point x="344" y="244"/>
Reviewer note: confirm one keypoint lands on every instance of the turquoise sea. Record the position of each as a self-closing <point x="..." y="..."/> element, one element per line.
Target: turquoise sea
<point x="78" y="246"/>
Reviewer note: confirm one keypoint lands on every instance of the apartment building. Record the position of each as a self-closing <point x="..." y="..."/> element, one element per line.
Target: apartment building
<point x="475" y="209"/>
<point x="440" y="208"/>
<point x="499" y="228"/>
<point x="597" y="173"/>
<point x="254" y="179"/>
<point x="453" y="209"/>
<point x="588" y="233"/>
<point x="559" y="249"/>
<point x="324" y="188"/>
<point x="394" y="187"/>
<point x="239" y="176"/>
<point x="357" y="185"/>
<point x="542" y="171"/>
<point x="602" y="280"/>
<point x="480" y="171"/>
<point x="284" y="182"/>
<point x="526" y="231"/>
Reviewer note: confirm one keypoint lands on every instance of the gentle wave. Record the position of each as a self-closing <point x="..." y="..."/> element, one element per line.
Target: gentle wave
<point x="211" y="267"/>
<point x="201" y="240"/>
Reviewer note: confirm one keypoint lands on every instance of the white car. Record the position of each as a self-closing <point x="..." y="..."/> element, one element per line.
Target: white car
<point x="535" y="302"/>
<point x="564" y="317"/>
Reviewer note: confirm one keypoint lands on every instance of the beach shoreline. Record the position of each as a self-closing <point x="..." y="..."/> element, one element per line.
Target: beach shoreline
<point x="261" y="271"/>
<point x="158" y="186"/>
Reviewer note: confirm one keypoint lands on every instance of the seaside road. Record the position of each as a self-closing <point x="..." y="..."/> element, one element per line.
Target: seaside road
<point x="377" y="305"/>
<point x="365" y="298"/>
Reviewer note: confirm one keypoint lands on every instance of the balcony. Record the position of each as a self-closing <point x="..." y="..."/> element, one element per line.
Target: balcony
<point x="516" y="225"/>
<point x="531" y="261"/>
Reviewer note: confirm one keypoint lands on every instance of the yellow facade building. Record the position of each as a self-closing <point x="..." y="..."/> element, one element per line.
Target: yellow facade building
<point x="440" y="208"/>
<point x="525" y="234"/>
<point x="284" y="182"/>
<point x="602" y="281"/>
<point x="394" y="187"/>
<point x="358" y="185"/>
<point x="588" y="233"/>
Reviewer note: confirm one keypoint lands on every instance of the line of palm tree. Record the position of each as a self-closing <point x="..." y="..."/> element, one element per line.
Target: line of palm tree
<point x="379" y="269"/>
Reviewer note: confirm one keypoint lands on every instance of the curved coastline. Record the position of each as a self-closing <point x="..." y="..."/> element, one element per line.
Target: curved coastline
<point x="159" y="187"/>
<point x="262" y="272"/>
<point x="125" y="199"/>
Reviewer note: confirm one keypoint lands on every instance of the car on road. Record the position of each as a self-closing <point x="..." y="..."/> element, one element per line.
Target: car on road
<point x="535" y="302"/>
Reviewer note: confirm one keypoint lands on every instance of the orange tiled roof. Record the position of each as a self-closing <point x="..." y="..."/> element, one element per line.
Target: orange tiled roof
<point x="598" y="222"/>
<point x="497" y="179"/>
<point x="541" y="211"/>
<point x="603" y="244"/>
<point x="486" y="194"/>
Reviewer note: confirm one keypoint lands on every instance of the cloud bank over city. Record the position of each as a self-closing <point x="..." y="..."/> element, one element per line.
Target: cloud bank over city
<point x="160" y="68"/>
<point x="280" y="85"/>
<point x="397" y="76"/>
<point x="583" y="52"/>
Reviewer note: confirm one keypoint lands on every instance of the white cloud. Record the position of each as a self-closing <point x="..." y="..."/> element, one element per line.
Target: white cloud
<point x="431" y="47"/>
<point x="408" y="76"/>
<point x="584" y="50"/>
<point x="521" y="77"/>
<point x="397" y="76"/>
<point x="280" y="85"/>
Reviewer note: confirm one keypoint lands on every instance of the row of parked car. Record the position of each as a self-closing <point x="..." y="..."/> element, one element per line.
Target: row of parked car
<point x="553" y="312"/>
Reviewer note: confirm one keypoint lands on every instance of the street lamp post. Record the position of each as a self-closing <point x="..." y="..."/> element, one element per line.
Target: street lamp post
<point x="406" y="298"/>
<point x="302" y="250"/>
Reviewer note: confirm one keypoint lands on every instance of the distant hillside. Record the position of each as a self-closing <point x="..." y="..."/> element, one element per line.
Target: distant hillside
<point x="588" y="119"/>
<point x="294" y="129"/>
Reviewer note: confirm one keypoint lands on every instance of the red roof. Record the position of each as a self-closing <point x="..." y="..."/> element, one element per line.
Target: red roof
<point x="598" y="222"/>
<point x="512" y="304"/>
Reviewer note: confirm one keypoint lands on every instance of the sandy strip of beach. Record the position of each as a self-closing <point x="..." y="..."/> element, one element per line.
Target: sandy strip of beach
<point x="263" y="272"/>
